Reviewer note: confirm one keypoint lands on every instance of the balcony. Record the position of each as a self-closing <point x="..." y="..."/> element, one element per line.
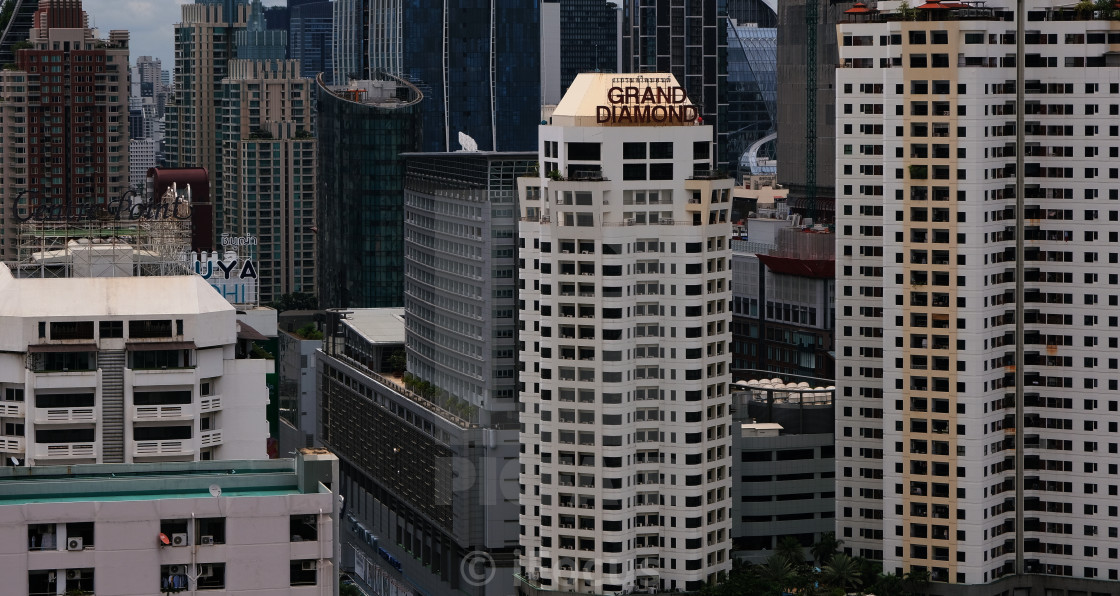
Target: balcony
<point x="12" y="444"/>
<point x="159" y="412"/>
<point x="64" y="415"/>
<point x="149" y="448"/>
<point x="210" y="403"/>
<point x="210" y="438"/>
<point x="45" y="451"/>
<point x="12" y="409"/>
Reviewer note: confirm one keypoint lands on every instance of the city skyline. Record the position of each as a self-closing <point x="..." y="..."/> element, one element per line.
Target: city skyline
<point x="150" y="22"/>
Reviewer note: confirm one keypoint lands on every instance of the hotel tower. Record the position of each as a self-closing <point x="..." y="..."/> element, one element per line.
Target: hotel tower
<point x="624" y="289"/>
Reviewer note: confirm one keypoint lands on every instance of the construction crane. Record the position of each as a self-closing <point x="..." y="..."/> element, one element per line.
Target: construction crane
<point x="812" y="16"/>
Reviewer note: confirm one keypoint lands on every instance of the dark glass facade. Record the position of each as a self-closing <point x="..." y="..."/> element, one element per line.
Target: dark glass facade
<point x="361" y="190"/>
<point x="588" y="38"/>
<point x="751" y="92"/>
<point x="309" y="38"/>
<point x="687" y="39"/>
<point x="478" y="65"/>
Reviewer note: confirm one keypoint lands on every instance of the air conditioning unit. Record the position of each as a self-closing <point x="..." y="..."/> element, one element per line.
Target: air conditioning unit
<point x="178" y="540"/>
<point x="308" y="566"/>
<point x="207" y="540"/>
<point x="206" y="570"/>
<point x="176" y="569"/>
<point x="74" y="544"/>
<point x="73" y="574"/>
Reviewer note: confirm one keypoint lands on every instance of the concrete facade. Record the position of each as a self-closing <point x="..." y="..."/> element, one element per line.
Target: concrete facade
<point x="142" y="369"/>
<point x="272" y="529"/>
<point x="625" y="290"/>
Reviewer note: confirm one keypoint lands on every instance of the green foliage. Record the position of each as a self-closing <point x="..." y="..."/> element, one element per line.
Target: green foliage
<point x="555" y="175"/>
<point x="906" y="11"/>
<point x="398" y="360"/>
<point x="295" y="301"/>
<point x="786" y="572"/>
<point x="309" y="331"/>
<point x="260" y="353"/>
<point x="349" y="590"/>
<point x="6" y="13"/>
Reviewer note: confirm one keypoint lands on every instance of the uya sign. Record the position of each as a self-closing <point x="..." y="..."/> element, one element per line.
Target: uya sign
<point x="234" y="277"/>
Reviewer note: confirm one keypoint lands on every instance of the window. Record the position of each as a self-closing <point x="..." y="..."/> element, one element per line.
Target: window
<point x="210" y="530"/>
<point x="110" y="329"/>
<point x="303" y="528"/>
<point x="211" y="576"/>
<point x="147" y="329"/>
<point x="72" y="330"/>
<point x="303" y="572"/>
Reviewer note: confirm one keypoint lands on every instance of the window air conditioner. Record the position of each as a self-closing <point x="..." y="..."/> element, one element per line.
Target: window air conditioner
<point x="176" y="569"/>
<point x="73" y="574"/>
<point x="308" y="566"/>
<point x="207" y="540"/>
<point x="206" y="570"/>
<point x="74" y="544"/>
<point x="178" y="540"/>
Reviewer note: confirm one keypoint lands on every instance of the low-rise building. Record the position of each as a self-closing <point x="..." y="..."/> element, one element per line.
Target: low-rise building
<point x="235" y="527"/>
<point x="123" y="370"/>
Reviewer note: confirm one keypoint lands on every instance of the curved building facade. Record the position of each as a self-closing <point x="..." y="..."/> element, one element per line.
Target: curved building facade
<point x="362" y="132"/>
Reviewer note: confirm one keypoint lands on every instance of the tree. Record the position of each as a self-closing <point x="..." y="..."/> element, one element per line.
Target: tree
<point x="295" y="301"/>
<point x="777" y="571"/>
<point x="790" y="548"/>
<point x="916" y="580"/>
<point x="825" y="548"/>
<point x="309" y="331"/>
<point x="843" y="572"/>
<point x="398" y="360"/>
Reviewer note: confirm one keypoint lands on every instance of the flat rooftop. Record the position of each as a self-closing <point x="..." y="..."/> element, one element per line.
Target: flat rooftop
<point x="146" y="482"/>
<point x="378" y="325"/>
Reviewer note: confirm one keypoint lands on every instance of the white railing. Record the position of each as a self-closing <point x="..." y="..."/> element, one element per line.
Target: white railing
<point x="13" y="409"/>
<point x="158" y="412"/>
<point x="210" y="437"/>
<point x="210" y="403"/>
<point x="160" y="448"/>
<point x="12" y="444"/>
<point x="65" y="415"/>
<point x="63" y="450"/>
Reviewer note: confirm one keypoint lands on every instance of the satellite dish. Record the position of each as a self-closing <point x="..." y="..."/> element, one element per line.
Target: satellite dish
<point x="467" y="142"/>
<point x="15" y="462"/>
<point x="215" y="490"/>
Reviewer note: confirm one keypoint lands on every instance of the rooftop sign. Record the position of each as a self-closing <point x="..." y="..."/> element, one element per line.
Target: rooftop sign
<point x="636" y="100"/>
<point x="640" y="99"/>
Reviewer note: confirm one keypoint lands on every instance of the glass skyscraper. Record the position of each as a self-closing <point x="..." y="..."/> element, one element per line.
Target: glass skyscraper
<point x="752" y="53"/>
<point x="309" y="38"/>
<point x="478" y="65"/>
<point x="362" y="131"/>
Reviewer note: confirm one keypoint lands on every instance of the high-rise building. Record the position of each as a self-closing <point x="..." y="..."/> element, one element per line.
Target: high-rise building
<point x="479" y="69"/>
<point x="204" y="45"/>
<point x="269" y="159"/>
<point x="752" y="97"/>
<point x="141" y="158"/>
<point x="84" y="132"/>
<point x="256" y="41"/>
<point x="577" y="36"/>
<point x="461" y="257"/>
<point x="309" y="39"/>
<point x="690" y="42"/>
<point x="16" y="27"/>
<point x="976" y="362"/>
<point x="625" y="300"/>
<point x="348" y="57"/>
<point x="793" y="148"/>
<point x="362" y="131"/>
<point x="140" y="369"/>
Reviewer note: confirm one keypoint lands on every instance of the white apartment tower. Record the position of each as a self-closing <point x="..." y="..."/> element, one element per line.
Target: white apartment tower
<point x="977" y="193"/>
<point x="625" y="284"/>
